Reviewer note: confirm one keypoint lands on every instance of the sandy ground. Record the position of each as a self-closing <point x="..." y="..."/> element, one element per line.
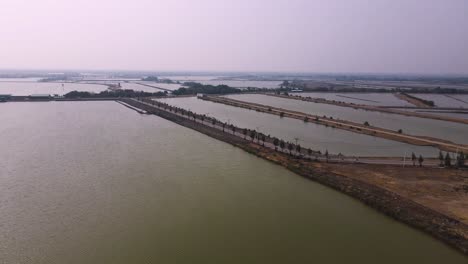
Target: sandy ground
<point x="443" y="190"/>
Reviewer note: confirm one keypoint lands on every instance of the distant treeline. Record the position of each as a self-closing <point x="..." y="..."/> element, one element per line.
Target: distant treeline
<point x="401" y="78"/>
<point x="115" y="93"/>
<point x="158" y="80"/>
<point x="342" y="89"/>
<point x="426" y="102"/>
<point x="192" y="88"/>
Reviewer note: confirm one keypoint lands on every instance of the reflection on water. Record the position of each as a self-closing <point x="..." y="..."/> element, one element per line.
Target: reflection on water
<point x="317" y="137"/>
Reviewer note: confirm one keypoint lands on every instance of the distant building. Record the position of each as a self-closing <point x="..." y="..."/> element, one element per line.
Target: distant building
<point x="200" y="95"/>
<point x="296" y="90"/>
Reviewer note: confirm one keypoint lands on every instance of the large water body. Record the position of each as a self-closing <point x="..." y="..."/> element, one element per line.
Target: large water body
<point x="311" y="135"/>
<point x="94" y="182"/>
<point x="32" y="87"/>
<point x="410" y="125"/>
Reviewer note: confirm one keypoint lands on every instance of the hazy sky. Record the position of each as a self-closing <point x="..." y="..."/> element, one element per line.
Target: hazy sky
<point x="403" y="36"/>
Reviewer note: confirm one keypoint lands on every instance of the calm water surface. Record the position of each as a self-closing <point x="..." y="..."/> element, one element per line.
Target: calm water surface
<point x="98" y="183"/>
<point x="411" y="125"/>
<point x="379" y="99"/>
<point x="450" y="100"/>
<point x="311" y="135"/>
<point x="31" y="87"/>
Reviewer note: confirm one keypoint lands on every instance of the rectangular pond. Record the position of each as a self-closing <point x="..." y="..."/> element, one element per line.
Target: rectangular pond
<point x="454" y="132"/>
<point x="310" y="135"/>
<point x="377" y="99"/>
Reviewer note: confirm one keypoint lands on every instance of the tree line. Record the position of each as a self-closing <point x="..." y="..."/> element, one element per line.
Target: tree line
<point x="113" y="93"/>
<point x="192" y="88"/>
<point x="287" y="147"/>
<point x="248" y="134"/>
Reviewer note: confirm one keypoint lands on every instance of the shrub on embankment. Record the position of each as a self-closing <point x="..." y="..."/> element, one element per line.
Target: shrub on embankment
<point x="114" y="93"/>
<point x="196" y="88"/>
<point x="426" y="102"/>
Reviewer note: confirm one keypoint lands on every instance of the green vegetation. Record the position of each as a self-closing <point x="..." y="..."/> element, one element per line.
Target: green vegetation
<point x="156" y="79"/>
<point x="290" y="148"/>
<point x="420" y="160"/>
<point x="150" y="79"/>
<point x="461" y="160"/>
<point x="298" y="149"/>
<point x="276" y="143"/>
<point x="252" y="134"/>
<point x="413" y="158"/>
<point x="448" y="160"/>
<point x="426" y="102"/>
<point x="282" y="145"/>
<point x="115" y="93"/>
<point x="197" y="88"/>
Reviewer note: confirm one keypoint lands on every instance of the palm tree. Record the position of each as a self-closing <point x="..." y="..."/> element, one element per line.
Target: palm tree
<point x="461" y="160"/>
<point x="441" y="159"/>
<point x="309" y="152"/>
<point x="213" y="122"/>
<point x="326" y="155"/>
<point x="282" y="145"/>
<point x="420" y="160"/>
<point x="290" y="148"/>
<point x="252" y="135"/>
<point x="244" y="132"/>
<point x="263" y="139"/>
<point x="224" y="125"/>
<point x="276" y="143"/>
<point x="281" y="114"/>
<point x="233" y="128"/>
<point x="448" y="160"/>
<point x="298" y="150"/>
<point x="413" y="159"/>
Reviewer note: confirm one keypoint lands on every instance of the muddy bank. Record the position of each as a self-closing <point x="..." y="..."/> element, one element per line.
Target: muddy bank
<point x="446" y="228"/>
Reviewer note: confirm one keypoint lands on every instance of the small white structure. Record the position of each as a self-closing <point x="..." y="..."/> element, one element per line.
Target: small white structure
<point x="296" y="90"/>
<point x="200" y="95"/>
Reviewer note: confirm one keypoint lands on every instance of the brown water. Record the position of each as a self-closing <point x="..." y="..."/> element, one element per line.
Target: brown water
<point x="94" y="182"/>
